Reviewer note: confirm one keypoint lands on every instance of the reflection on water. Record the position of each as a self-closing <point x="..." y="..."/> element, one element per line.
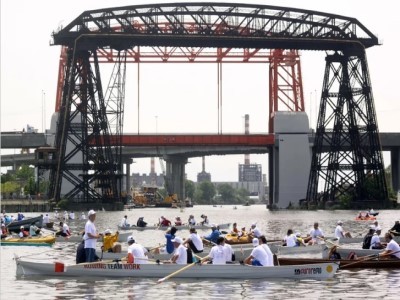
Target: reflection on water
<point x="347" y="284"/>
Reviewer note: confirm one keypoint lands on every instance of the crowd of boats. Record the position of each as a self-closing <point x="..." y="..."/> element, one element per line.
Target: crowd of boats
<point x="325" y="255"/>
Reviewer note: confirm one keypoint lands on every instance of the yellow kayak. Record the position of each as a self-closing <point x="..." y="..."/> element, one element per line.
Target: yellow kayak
<point x="49" y="239"/>
<point x="233" y="239"/>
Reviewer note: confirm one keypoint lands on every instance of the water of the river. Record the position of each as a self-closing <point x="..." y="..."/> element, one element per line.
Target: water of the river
<point x="347" y="284"/>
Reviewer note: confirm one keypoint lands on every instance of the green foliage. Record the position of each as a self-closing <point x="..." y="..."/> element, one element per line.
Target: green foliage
<point x="25" y="173"/>
<point x="345" y="200"/>
<point x="227" y="193"/>
<point x="63" y="204"/>
<point x="204" y="193"/>
<point x="243" y="196"/>
<point x="10" y="187"/>
<point x="189" y="189"/>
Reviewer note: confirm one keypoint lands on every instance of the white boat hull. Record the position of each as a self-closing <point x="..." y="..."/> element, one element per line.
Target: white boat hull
<point x="125" y="270"/>
<point x="182" y="227"/>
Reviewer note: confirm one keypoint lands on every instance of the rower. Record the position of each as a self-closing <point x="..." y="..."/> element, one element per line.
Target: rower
<point x="258" y="256"/>
<point x="125" y="223"/>
<point x="395" y="230"/>
<point x="110" y="242"/>
<point x="392" y="247"/>
<point x="136" y="253"/>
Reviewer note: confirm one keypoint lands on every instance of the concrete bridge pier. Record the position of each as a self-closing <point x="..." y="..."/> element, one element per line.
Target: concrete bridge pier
<point x="127" y="184"/>
<point x="175" y="174"/>
<point x="395" y="163"/>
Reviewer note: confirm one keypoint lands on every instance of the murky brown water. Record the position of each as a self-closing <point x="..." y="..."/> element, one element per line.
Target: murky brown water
<point x="347" y="284"/>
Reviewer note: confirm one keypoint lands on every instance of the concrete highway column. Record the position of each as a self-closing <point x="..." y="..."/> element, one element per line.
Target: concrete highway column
<point x="395" y="163"/>
<point x="126" y="186"/>
<point x="175" y="174"/>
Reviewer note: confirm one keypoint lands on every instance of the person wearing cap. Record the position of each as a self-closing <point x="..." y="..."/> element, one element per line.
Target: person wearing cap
<point x="376" y="241"/>
<point x="316" y="234"/>
<point x="140" y="222"/>
<point x="23" y="232"/>
<point x="180" y="254"/>
<point x="218" y="253"/>
<point x="46" y="219"/>
<point x="110" y="242"/>
<point x="258" y="256"/>
<point x="214" y="235"/>
<point x="376" y="226"/>
<point x="299" y="240"/>
<point x="170" y="235"/>
<point x="125" y="223"/>
<point x="91" y="236"/>
<point x="255" y="231"/>
<point x="137" y="254"/>
<point x="194" y="241"/>
<point x="339" y="231"/>
<point x="191" y="220"/>
<point x="178" y="221"/>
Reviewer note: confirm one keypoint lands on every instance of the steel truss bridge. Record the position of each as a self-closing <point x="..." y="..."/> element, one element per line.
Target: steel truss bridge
<point x="203" y="32"/>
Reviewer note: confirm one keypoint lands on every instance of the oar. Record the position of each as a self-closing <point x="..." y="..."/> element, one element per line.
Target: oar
<point x="176" y="272"/>
<point x="208" y="241"/>
<point x="395" y="232"/>
<point x="368" y="257"/>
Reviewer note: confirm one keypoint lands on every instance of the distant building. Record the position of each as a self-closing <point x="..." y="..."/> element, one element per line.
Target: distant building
<point x="203" y="176"/>
<point x="250" y="172"/>
<point x="137" y="180"/>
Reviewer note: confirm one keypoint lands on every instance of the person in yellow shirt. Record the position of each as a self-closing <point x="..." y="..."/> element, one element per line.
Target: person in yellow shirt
<point x="110" y="242"/>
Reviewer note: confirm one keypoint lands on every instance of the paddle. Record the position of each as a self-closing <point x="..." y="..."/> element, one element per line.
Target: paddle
<point x="176" y="272"/>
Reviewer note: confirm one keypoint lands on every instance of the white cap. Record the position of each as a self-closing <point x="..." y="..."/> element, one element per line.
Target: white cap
<point x="2" y="224"/>
<point x="255" y="242"/>
<point x="91" y="212"/>
<point x="339" y="222"/>
<point x="22" y="227"/>
<point x="177" y="239"/>
<point x="298" y="234"/>
<point x="213" y="225"/>
<point x="130" y="239"/>
<point x="107" y="231"/>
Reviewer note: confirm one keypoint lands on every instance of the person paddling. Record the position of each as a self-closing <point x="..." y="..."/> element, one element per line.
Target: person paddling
<point x="392" y="248"/>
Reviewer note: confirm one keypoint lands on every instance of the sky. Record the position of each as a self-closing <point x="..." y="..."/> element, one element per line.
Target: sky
<point x="178" y="98"/>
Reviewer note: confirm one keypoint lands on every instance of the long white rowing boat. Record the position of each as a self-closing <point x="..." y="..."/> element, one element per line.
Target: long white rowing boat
<point x="357" y="240"/>
<point x="153" y="270"/>
<point x="180" y="227"/>
<point x="78" y="238"/>
<point x="344" y="252"/>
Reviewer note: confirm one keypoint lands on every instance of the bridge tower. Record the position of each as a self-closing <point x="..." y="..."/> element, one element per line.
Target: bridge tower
<point x="88" y="123"/>
<point x="347" y="153"/>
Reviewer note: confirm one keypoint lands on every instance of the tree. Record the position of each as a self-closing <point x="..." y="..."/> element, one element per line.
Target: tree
<point x="189" y="188"/>
<point x="243" y="195"/>
<point x="207" y="191"/>
<point x="227" y="193"/>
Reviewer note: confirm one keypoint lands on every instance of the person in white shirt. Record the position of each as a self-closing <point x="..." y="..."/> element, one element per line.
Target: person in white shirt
<point x="316" y="235"/>
<point x="376" y="242"/>
<point x="83" y="217"/>
<point x="392" y="247"/>
<point x="230" y="254"/>
<point x="218" y="254"/>
<point x="91" y="235"/>
<point x="257" y="257"/>
<point x="124" y="222"/>
<point x="375" y="226"/>
<point x="180" y="254"/>
<point x="191" y="220"/>
<point x="137" y="254"/>
<point x="290" y="239"/>
<point x="270" y="255"/>
<point x="46" y="219"/>
<point x="194" y="241"/>
<point x="205" y="221"/>
<point x="72" y="215"/>
<point x="254" y="231"/>
<point x="339" y="231"/>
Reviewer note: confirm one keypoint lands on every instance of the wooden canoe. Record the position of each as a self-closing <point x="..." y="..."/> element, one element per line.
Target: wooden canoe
<point x="344" y="263"/>
<point x="152" y="270"/>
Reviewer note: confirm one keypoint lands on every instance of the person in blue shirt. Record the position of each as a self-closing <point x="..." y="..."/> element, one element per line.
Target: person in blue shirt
<point x="214" y="235"/>
<point x="170" y="235"/>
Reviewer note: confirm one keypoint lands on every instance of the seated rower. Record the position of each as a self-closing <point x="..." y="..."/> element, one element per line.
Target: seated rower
<point x="23" y="232"/>
<point x="141" y="223"/>
<point x="4" y="231"/>
<point x="339" y="231"/>
<point x="34" y="230"/>
<point x="137" y="254"/>
<point x="219" y="254"/>
<point x="110" y="242"/>
<point x="180" y="254"/>
<point x="235" y="230"/>
<point x="194" y="241"/>
<point x="258" y="256"/>
<point x="178" y="221"/>
<point x="392" y="249"/>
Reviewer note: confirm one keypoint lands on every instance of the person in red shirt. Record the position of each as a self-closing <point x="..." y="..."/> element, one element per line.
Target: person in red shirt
<point x="165" y="222"/>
